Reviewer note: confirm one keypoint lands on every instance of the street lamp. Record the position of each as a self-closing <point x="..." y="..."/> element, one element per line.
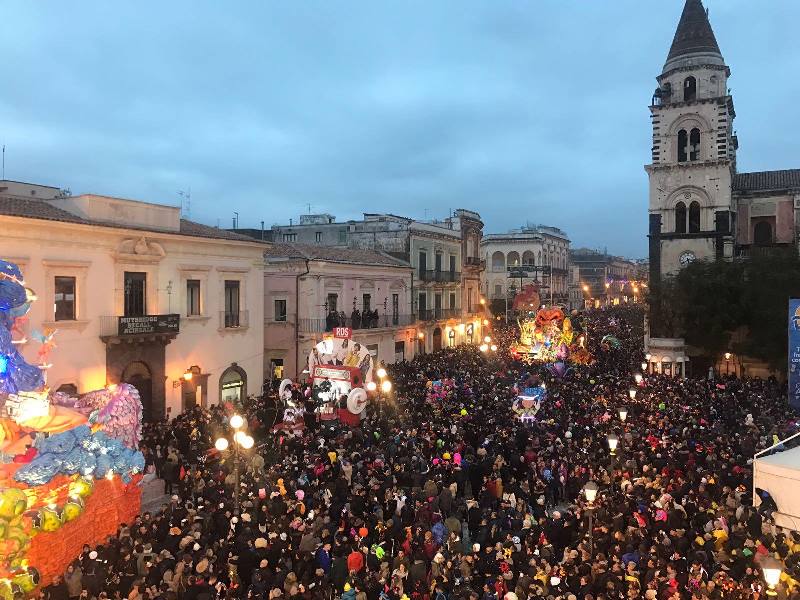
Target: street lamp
<point x="727" y="363"/>
<point x="632" y="393"/>
<point x="623" y="414"/>
<point x="484" y="348"/>
<point x="644" y="366"/>
<point x="493" y="348"/>
<point x="386" y="386"/>
<point x="371" y="387"/>
<point x="487" y="339"/>
<point x="638" y="377"/>
<point x="590" y="491"/>
<point x="381" y="372"/>
<point x="613" y="440"/>
<point x="240" y="440"/>
<point x="772" y="569"/>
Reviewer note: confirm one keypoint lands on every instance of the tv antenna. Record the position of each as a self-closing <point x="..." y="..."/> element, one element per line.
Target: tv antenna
<point x="186" y="202"/>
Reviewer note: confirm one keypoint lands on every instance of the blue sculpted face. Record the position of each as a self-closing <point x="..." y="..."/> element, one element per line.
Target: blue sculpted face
<point x="10" y="271"/>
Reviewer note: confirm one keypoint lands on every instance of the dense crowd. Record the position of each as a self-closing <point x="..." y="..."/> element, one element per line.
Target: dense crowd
<point x="447" y="495"/>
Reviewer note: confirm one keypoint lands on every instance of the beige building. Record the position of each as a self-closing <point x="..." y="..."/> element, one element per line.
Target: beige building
<point x="533" y="254"/>
<point x="136" y="294"/>
<point x="311" y="289"/>
<point x="700" y="206"/>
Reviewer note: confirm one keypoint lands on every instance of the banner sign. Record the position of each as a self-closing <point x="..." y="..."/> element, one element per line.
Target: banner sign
<point x="149" y="324"/>
<point x="794" y="353"/>
<point x="342" y="333"/>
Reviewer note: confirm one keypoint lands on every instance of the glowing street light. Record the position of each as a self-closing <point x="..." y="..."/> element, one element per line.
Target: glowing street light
<point x="381" y="372"/>
<point x="638" y="377"/>
<point x="772" y="569"/>
<point x="487" y="339"/>
<point x="386" y="386"/>
<point x="623" y="414"/>
<point x="237" y="421"/>
<point x="632" y="393"/>
<point x="493" y="348"/>
<point x="613" y="441"/>
<point x="221" y="444"/>
<point x="371" y="387"/>
<point x="484" y="348"/>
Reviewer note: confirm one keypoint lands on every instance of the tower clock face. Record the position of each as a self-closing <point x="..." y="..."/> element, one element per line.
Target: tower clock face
<point x="687" y="258"/>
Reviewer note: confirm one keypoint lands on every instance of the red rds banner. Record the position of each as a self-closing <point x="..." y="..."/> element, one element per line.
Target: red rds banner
<point x="342" y="333"/>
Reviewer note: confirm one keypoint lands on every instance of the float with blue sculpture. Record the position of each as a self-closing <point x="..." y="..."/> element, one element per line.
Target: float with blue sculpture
<point x="69" y="466"/>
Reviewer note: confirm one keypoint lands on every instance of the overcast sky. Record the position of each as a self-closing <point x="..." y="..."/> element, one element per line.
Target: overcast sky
<point x="524" y="110"/>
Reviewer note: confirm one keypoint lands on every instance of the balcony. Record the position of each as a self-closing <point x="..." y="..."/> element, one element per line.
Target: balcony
<point x="383" y="321"/>
<point x="229" y="320"/>
<point x="440" y="276"/>
<point x="474" y="261"/>
<point x="768" y="251"/>
<point x="119" y="328"/>
<point x="437" y="314"/>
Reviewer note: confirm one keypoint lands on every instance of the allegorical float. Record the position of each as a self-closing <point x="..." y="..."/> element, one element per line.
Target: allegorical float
<point x="546" y="334"/>
<point x="69" y="466"/>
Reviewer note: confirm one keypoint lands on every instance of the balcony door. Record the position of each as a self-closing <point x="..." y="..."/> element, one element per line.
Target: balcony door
<point x="135" y="294"/>
<point x="437" y="305"/>
<point x="423" y="265"/>
<point x="231" y="303"/>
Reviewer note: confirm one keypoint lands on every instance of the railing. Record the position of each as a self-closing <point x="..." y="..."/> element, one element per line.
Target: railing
<point x="440" y="276"/>
<point x="323" y="325"/>
<point x="122" y="326"/>
<point x="234" y="320"/>
<point x="435" y="314"/>
<point x="764" y="251"/>
<point x="474" y="261"/>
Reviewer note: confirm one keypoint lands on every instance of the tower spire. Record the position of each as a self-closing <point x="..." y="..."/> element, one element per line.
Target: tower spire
<point x="694" y="37"/>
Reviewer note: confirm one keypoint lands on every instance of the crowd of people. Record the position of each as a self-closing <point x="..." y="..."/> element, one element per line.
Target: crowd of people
<point x="450" y="496"/>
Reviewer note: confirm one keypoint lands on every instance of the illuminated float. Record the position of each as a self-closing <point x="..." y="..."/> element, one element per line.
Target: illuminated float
<point x="341" y="371"/>
<point x="546" y="333"/>
<point x="69" y="467"/>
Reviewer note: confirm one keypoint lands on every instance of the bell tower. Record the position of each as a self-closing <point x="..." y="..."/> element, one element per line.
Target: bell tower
<point x="691" y="213"/>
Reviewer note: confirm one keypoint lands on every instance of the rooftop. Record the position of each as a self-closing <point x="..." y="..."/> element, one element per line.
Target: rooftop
<point x="355" y="256"/>
<point x="767" y="180"/>
<point x="14" y="206"/>
<point x="694" y="37"/>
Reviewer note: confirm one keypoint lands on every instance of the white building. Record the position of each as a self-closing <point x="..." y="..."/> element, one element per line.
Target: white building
<point x="523" y="256"/>
<point x="136" y="294"/>
<point x="332" y="281"/>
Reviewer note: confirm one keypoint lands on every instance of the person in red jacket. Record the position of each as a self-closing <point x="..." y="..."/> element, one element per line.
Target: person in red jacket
<point x="355" y="561"/>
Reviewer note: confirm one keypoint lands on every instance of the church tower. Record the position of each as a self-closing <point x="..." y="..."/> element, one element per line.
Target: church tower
<point x="692" y="215"/>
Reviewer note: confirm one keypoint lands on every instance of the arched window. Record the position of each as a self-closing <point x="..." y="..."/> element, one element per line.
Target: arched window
<point x="683" y="140"/>
<point x="680" y="218"/>
<point x="694" y="217"/>
<point x="694" y="144"/>
<point x="498" y="261"/>
<point x="528" y="258"/>
<point x="762" y="233"/>
<point x="512" y="260"/>
<point x="689" y="89"/>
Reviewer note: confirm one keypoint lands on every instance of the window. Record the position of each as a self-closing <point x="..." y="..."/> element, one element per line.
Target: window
<point x="682" y="145"/>
<point x="762" y="233"/>
<point x="469" y="299"/>
<point x="333" y="303"/>
<point x="680" y="218"/>
<point x="452" y="264"/>
<point x="498" y="261"/>
<point x="395" y="309"/>
<point x="498" y="290"/>
<point x="366" y="302"/>
<point x="193" y="297"/>
<point x="399" y="351"/>
<point x="452" y="300"/>
<point x="342" y="236"/>
<point x="423" y="264"/>
<point x="437" y="305"/>
<point x="438" y="262"/>
<point x="318" y="237"/>
<point x="422" y="304"/>
<point x="135" y="294"/>
<point x="289" y="237"/>
<point x="694" y="217"/>
<point x="689" y="89"/>
<point x="694" y="144"/>
<point x="65" y="298"/>
<point x="231" y="303"/>
<point x="280" y="311"/>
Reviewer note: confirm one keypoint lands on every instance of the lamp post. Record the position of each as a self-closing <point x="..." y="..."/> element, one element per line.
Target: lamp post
<point x="613" y="441"/>
<point x="772" y="569"/>
<point x="590" y="492"/>
<point x="623" y="414"/>
<point x="385" y="387"/>
<point x="638" y="377"/>
<point x="240" y="440"/>
<point x="632" y="393"/>
<point x="727" y="363"/>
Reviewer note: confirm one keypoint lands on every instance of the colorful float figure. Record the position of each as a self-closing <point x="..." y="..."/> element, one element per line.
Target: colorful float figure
<point x="546" y="333"/>
<point x="341" y="371"/>
<point x="69" y="467"/>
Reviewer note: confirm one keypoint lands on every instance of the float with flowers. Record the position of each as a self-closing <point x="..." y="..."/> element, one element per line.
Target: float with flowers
<point x="69" y="466"/>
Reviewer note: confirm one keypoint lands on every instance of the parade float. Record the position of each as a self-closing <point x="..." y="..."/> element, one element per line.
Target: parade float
<point x="69" y="466"/>
<point x="547" y="335"/>
<point x="341" y="373"/>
